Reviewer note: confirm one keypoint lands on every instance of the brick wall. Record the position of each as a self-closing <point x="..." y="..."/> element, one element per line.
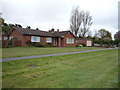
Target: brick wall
<point x="83" y="41"/>
<point x="63" y="41"/>
<point x="17" y="35"/>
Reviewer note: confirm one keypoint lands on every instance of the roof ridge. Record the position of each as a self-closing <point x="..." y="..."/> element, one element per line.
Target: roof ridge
<point x="31" y="29"/>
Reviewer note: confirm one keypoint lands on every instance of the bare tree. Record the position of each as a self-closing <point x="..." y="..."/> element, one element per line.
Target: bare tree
<point x="80" y="22"/>
<point x="86" y="24"/>
<point x="76" y="20"/>
<point x="89" y="35"/>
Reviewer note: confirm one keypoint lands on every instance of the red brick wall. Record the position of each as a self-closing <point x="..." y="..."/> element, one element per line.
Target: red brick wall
<point x="17" y="43"/>
<point x="28" y="38"/>
<point x="43" y="40"/>
<point x="63" y="41"/>
<point x="17" y="35"/>
<point x="83" y="41"/>
<point x="25" y="38"/>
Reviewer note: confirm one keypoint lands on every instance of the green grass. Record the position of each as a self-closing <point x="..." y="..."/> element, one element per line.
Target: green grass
<point x="29" y="51"/>
<point x="97" y="69"/>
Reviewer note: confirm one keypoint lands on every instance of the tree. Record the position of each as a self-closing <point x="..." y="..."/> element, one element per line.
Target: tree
<point x="18" y="25"/>
<point x="104" y="34"/>
<point x="28" y="27"/>
<point x="96" y="37"/>
<point x="103" y="37"/>
<point x="89" y="34"/>
<point x="76" y="20"/>
<point x="117" y="35"/>
<point x="37" y="29"/>
<point x="86" y="24"/>
<point x="80" y="22"/>
<point x="117" y="38"/>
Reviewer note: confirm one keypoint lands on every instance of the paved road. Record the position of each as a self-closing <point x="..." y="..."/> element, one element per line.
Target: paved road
<point x="38" y="56"/>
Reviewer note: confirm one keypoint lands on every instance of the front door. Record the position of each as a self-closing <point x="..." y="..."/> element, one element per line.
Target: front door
<point x="55" y="42"/>
<point x="89" y="43"/>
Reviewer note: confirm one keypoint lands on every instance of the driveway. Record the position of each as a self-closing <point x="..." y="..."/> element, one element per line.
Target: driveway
<point x="39" y="56"/>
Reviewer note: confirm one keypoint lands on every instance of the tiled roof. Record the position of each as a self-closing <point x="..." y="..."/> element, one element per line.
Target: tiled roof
<point x="83" y="38"/>
<point x="58" y="34"/>
<point x="25" y="31"/>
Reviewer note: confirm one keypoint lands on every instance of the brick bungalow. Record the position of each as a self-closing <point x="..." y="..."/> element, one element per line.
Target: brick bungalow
<point x="54" y="38"/>
<point x="85" y="41"/>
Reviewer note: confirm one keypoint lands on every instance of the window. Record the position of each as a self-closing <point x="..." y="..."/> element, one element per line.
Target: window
<point x="70" y="41"/>
<point x="48" y="39"/>
<point x="5" y="38"/>
<point x="35" y="39"/>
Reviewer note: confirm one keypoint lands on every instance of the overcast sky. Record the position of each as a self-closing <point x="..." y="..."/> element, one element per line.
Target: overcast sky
<point x="47" y="14"/>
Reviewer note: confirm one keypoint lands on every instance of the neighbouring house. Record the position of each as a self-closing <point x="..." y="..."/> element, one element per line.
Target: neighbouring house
<point x="3" y="38"/>
<point x="52" y="37"/>
<point x="85" y="41"/>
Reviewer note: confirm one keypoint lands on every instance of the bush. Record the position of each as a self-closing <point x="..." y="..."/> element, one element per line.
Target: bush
<point x="81" y="45"/>
<point x="84" y="45"/>
<point x="37" y="44"/>
<point x="29" y="43"/>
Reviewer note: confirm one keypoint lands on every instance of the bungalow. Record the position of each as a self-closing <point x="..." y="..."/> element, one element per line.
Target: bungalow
<point x="85" y="41"/>
<point x="54" y="38"/>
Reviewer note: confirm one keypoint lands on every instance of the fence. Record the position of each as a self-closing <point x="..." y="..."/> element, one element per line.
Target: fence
<point x="11" y="43"/>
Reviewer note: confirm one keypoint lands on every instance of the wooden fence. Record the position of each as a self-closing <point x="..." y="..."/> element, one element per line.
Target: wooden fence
<point x="9" y="43"/>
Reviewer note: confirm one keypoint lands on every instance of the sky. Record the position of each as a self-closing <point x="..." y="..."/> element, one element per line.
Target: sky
<point x="47" y="14"/>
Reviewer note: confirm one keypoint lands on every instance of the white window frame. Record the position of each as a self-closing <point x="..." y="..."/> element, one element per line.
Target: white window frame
<point x="48" y="39"/>
<point x="70" y="41"/>
<point x="5" y="38"/>
<point x="35" y="39"/>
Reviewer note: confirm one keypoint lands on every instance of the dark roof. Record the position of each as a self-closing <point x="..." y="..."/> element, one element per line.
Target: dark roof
<point x="25" y="31"/>
<point x="83" y="38"/>
<point x="58" y="34"/>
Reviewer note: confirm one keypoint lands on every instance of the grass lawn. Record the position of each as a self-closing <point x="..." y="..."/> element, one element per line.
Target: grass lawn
<point x="29" y="51"/>
<point x="97" y="69"/>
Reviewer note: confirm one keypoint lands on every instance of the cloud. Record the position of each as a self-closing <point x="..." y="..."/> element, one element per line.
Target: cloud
<point x="46" y="14"/>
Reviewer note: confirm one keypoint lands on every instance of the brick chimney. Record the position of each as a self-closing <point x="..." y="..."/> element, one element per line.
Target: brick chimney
<point x="57" y="30"/>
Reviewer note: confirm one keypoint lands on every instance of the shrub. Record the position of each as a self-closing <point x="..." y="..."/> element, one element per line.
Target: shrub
<point x="80" y="45"/>
<point x="84" y="45"/>
<point x="29" y="43"/>
<point x="37" y="44"/>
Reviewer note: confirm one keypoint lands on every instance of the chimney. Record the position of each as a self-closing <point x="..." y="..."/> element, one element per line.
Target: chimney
<point x="57" y="30"/>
